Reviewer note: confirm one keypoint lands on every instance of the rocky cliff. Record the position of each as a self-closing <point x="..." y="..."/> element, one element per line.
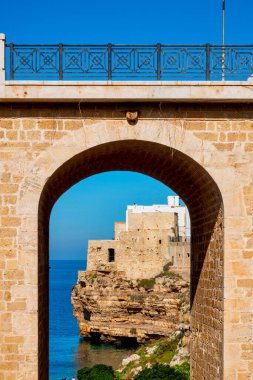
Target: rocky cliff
<point x="114" y="309"/>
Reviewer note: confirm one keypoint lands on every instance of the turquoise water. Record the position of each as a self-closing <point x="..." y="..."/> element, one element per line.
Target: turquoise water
<point x="69" y="352"/>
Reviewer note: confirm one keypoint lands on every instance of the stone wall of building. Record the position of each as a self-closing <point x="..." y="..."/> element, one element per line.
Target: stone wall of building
<point x="118" y="228"/>
<point x="47" y="148"/>
<point x="179" y="257"/>
<point x="155" y="221"/>
<point x="140" y="256"/>
<point x="141" y="251"/>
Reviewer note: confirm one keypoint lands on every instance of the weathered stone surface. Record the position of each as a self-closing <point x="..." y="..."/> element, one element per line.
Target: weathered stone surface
<point x="151" y="238"/>
<point x="214" y="178"/>
<point x="107" y="303"/>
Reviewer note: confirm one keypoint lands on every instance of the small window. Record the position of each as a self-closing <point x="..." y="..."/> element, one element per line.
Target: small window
<point x="111" y="255"/>
<point x="98" y="249"/>
<point x="160" y="241"/>
<point x="188" y="254"/>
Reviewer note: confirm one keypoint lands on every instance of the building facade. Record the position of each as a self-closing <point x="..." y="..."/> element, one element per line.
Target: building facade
<point x="151" y="237"/>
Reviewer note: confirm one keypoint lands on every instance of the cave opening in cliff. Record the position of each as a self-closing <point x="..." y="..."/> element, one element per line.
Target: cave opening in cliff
<point x="199" y="192"/>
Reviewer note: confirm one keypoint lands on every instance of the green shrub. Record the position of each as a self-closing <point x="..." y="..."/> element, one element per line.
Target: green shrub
<point x="97" y="372"/>
<point x="169" y="274"/>
<point x="146" y="283"/>
<point x="81" y="373"/>
<point x="160" y="372"/>
<point x="166" y="350"/>
<point x="91" y="277"/>
<point x="183" y="369"/>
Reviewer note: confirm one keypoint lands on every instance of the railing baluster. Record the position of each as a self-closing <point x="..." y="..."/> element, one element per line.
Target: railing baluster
<point x="11" y="62"/>
<point x="129" y="62"/>
<point x="207" y="61"/>
<point x="158" y="49"/>
<point x="109" y="49"/>
<point x="60" y="62"/>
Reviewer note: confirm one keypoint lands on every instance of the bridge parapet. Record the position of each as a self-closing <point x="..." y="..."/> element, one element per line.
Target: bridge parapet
<point x="106" y="62"/>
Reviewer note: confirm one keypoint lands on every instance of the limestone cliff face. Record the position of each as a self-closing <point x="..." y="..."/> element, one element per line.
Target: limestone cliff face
<point x="109" y="306"/>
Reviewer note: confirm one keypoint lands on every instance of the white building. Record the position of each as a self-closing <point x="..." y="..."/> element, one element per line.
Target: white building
<point x="173" y="206"/>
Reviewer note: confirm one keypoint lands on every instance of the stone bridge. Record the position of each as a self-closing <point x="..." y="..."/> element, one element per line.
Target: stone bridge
<point x="195" y="137"/>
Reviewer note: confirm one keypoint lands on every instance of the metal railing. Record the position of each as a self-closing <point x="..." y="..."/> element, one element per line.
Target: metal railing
<point x="129" y="62"/>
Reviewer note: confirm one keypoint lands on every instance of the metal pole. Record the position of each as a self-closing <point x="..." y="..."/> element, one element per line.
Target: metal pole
<point x="60" y="62"/>
<point x="223" y="39"/>
<point x="158" y="49"/>
<point x="109" y="50"/>
<point x="207" y="61"/>
<point x="11" y="62"/>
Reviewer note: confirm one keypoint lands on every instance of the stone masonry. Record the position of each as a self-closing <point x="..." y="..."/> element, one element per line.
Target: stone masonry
<point x="145" y="243"/>
<point x="114" y="309"/>
<point x="47" y="145"/>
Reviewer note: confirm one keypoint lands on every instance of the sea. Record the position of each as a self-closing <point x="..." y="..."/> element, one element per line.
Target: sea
<point x="67" y="350"/>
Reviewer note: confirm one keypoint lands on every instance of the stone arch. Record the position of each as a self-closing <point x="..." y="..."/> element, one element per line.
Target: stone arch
<point x="203" y="198"/>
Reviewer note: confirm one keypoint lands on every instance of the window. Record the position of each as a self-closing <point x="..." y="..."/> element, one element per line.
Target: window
<point x="111" y="255"/>
<point x="160" y="241"/>
<point x="98" y="249"/>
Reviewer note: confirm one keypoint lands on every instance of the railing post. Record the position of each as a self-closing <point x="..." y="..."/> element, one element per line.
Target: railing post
<point x="60" y="62"/>
<point x="2" y="58"/>
<point x="208" y="62"/>
<point x="158" y="50"/>
<point x="11" y="62"/>
<point x="109" y="48"/>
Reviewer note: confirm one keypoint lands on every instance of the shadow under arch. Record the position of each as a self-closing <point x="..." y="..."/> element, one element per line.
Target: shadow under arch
<point x="203" y="198"/>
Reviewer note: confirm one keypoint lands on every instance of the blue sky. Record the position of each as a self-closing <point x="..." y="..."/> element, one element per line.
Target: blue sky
<point x="131" y="21"/>
<point x="89" y="209"/>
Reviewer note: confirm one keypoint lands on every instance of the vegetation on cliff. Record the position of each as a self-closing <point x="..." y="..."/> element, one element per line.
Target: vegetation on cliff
<point x="97" y="372"/>
<point x="166" y="358"/>
<point x="172" y="351"/>
<point x="154" y="312"/>
<point x="157" y="372"/>
<point x="161" y="371"/>
<point x="148" y="283"/>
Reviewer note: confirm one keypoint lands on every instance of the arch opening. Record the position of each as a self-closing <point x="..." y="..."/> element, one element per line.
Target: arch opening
<point x="202" y="196"/>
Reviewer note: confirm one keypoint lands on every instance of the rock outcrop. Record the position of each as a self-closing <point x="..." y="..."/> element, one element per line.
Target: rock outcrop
<point x="110" y="307"/>
<point x="169" y="351"/>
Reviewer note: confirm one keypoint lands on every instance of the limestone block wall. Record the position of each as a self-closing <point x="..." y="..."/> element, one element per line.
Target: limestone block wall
<point x="138" y="254"/>
<point x="118" y="228"/>
<point x="97" y="258"/>
<point x="46" y="148"/>
<point x="141" y="245"/>
<point x="151" y="221"/>
<point x="179" y="254"/>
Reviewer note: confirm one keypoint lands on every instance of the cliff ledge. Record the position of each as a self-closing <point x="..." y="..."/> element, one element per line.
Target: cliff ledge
<point x="114" y="309"/>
